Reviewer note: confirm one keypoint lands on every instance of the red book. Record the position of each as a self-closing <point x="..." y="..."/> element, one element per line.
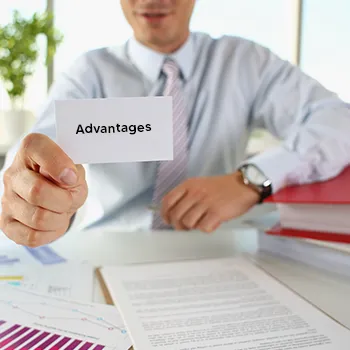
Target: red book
<point x="318" y="211"/>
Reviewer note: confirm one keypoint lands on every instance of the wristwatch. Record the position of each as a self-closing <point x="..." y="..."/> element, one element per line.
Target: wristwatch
<point x="253" y="177"/>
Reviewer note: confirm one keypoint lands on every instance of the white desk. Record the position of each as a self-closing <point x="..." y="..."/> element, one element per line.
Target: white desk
<point x="330" y="293"/>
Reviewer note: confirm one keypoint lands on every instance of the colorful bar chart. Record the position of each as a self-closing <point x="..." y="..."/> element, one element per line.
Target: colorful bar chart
<point x="31" y="321"/>
<point x="19" y="337"/>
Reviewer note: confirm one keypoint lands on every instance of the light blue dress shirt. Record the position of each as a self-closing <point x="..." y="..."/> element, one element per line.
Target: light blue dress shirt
<point x="232" y="86"/>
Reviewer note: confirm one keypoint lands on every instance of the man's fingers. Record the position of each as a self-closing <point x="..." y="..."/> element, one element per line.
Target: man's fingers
<point x="193" y="216"/>
<point x="170" y="200"/>
<point x="34" y="217"/>
<point x="209" y="223"/>
<point x="184" y="205"/>
<point x="43" y="189"/>
<point x="39" y="191"/>
<point x="79" y="193"/>
<point x="41" y="154"/>
<point x="24" y="235"/>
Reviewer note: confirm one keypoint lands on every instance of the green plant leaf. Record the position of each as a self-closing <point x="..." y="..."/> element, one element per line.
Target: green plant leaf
<point x="19" y="49"/>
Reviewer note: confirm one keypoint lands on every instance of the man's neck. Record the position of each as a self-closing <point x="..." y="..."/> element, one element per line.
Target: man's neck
<point x="166" y="49"/>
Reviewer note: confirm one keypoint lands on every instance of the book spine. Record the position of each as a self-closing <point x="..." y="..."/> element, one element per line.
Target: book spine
<point x="323" y="258"/>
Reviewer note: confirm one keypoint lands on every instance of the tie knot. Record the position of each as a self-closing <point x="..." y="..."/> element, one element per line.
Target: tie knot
<point x="171" y="69"/>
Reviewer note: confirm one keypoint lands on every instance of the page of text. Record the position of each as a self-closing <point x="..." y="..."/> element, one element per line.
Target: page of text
<point x="221" y="303"/>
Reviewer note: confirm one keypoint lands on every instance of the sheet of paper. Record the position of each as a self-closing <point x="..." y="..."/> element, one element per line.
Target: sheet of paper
<point x="228" y="304"/>
<point x="43" y="270"/>
<point x="125" y="129"/>
<point x="13" y="254"/>
<point x="32" y="321"/>
<point x="69" y="280"/>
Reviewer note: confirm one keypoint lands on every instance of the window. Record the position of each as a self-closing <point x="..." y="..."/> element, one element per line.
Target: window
<point x="36" y="87"/>
<point x="325" y="44"/>
<point x="271" y="23"/>
<point x="88" y="25"/>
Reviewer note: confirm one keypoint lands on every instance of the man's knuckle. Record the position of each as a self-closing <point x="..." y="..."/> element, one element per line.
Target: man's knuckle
<point x="196" y="190"/>
<point x="215" y="214"/>
<point x="176" y="215"/>
<point x="68" y="203"/>
<point x="80" y="199"/>
<point x="29" y="142"/>
<point x="188" y="221"/>
<point x="166" y="200"/>
<point x="3" y="222"/>
<point x="200" y="192"/>
<point x="6" y="206"/>
<point x="7" y="177"/>
<point x="33" y="245"/>
<point x="5" y="226"/>
<point x="40" y="218"/>
<point x="32" y="238"/>
<point x="35" y="191"/>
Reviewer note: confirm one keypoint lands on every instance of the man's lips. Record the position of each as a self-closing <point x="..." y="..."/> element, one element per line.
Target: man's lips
<point x="154" y="14"/>
<point x="154" y="17"/>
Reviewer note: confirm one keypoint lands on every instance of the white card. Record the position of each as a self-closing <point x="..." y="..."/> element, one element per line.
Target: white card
<point x="125" y="129"/>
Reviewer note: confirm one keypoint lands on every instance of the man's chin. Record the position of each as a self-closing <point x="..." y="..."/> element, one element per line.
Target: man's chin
<point x="159" y="39"/>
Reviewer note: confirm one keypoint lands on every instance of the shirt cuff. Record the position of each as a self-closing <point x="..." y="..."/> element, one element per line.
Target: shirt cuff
<point x="281" y="167"/>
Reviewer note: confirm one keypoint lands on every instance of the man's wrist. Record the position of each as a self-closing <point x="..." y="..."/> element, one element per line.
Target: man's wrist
<point x="256" y="180"/>
<point x="252" y="195"/>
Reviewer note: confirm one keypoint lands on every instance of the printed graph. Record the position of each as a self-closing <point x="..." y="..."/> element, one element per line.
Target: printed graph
<point x="29" y="321"/>
<point x="18" y="337"/>
<point x="73" y="314"/>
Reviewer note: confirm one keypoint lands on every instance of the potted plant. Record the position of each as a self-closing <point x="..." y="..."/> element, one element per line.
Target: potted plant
<point x="19" y="52"/>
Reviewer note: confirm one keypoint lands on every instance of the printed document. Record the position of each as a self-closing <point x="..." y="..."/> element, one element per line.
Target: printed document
<point x="67" y="280"/>
<point x="33" y="321"/>
<point x="228" y="304"/>
<point x="43" y="270"/>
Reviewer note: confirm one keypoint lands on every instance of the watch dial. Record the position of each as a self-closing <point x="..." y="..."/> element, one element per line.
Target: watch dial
<point x="255" y="176"/>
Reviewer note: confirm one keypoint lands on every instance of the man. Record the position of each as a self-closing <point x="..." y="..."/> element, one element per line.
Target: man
<point x="221" y="90"/>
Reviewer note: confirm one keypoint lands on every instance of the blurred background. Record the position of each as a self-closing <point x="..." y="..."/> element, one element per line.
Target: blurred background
<point x="310" y="33"/>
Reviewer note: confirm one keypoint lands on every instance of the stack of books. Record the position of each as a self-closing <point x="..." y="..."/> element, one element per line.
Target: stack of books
<point x="311" y="224"/>
<point x="319" y="211"/>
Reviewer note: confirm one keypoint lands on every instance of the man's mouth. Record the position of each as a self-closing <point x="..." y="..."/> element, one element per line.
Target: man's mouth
<point x="154" y="15"/>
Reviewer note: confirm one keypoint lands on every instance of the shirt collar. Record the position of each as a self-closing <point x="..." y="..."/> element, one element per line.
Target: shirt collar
<point x="150" y="62"/>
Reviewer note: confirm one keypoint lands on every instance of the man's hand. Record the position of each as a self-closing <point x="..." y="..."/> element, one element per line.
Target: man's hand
<point x="42" y="191"/>
<point x="205" y="203"/>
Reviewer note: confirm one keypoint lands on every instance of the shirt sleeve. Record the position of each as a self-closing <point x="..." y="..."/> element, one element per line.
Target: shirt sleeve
<point x="312" y="123"/>
<point x="78" y="81"/>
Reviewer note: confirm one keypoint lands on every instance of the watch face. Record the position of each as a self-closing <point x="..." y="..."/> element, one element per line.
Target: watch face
<point x="254" y="175"/>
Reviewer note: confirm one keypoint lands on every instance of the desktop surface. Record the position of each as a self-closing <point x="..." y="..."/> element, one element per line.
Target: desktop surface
<point x="326" y="291"/>
<point x="106" y="247"/>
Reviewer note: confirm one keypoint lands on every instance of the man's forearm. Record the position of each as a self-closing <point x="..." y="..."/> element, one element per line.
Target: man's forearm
<point x="317" y="150"/>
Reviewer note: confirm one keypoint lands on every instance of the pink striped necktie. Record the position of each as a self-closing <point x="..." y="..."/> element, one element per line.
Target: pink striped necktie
<point x="171" y="173"/>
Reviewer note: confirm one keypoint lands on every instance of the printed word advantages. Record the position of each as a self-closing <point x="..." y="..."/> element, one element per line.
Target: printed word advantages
<point x="112" y="129"/>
